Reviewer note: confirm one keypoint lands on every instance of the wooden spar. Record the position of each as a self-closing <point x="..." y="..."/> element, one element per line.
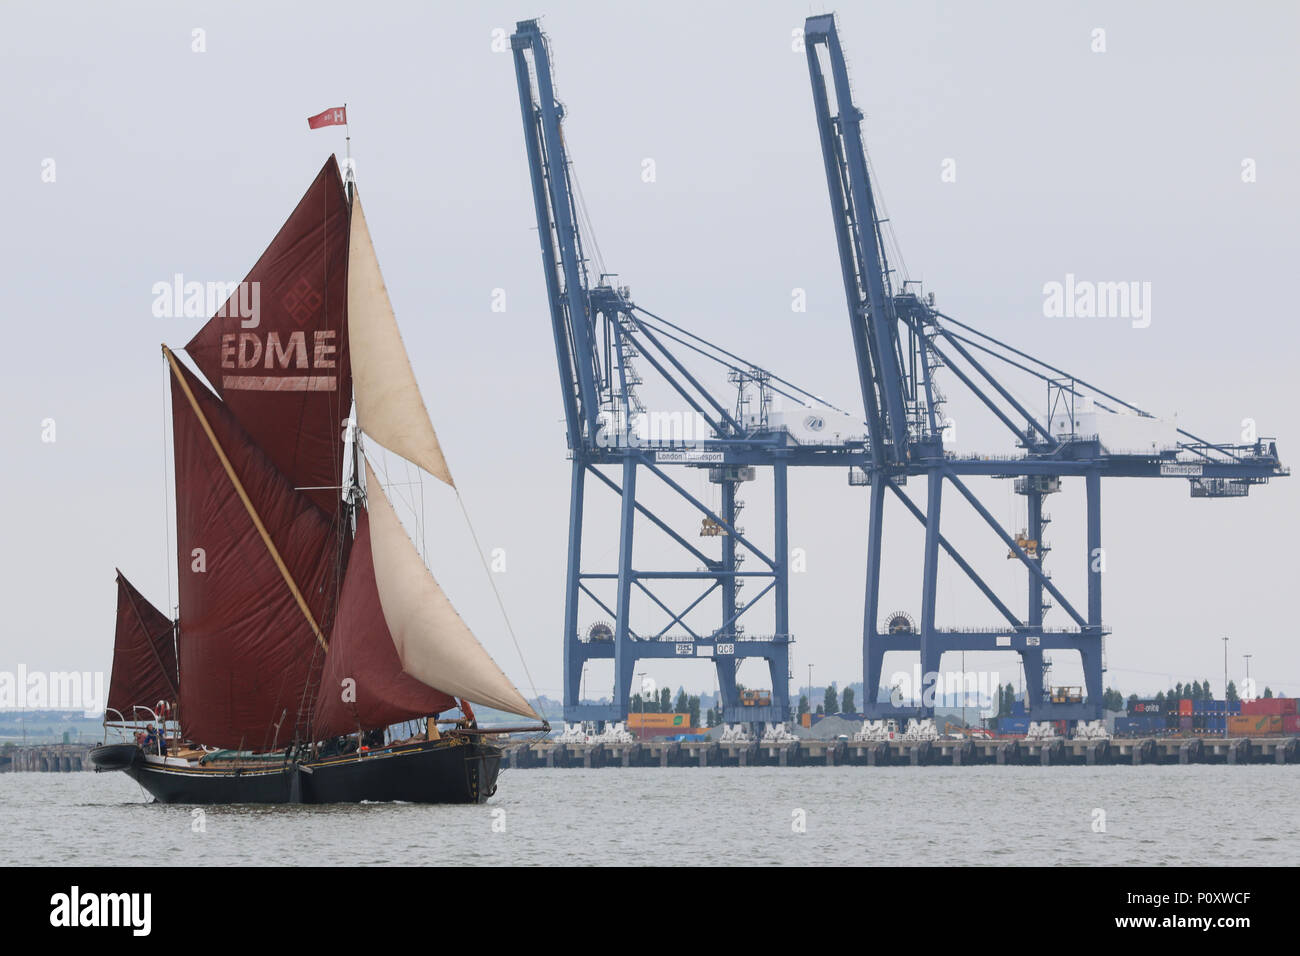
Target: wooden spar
<point x="243" y="496"/>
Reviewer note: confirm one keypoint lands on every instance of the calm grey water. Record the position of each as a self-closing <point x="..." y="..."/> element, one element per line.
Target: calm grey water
<point x="854" y="815"/>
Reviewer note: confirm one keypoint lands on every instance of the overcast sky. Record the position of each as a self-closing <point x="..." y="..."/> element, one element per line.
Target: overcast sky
<point x="1122" y="165"/>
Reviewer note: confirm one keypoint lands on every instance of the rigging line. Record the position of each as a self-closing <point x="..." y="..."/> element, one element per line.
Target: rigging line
<point x="734" y="368"/>
<point x="1028" y="403"/>
<point x="695" y="348"/>
<point x="746" y="362"/>
<point x="497" y="593"/>
<point x="698" y="338"/>
<point x="878" y="197"/>
<point x="1182" y="431"/>
<point x="1025" y="368"/>
<point x="586" y="216"/>
<point x="424" y="544"/>
<point x="410" y="496"/>
<point x="1052" y="368"/>
<point x="389" y="485"/>
<point x="172" y="608"/>
<point x="419" y="515"/>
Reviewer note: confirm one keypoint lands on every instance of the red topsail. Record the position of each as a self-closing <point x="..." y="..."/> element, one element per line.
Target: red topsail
<point x="284" y="370"/>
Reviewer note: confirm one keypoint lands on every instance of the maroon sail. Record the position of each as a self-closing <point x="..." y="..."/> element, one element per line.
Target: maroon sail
<point x="144" y="655"/>
<point x="247" y="645"/>
<point x="277" y="350"/>
<point x="363" y="686"/>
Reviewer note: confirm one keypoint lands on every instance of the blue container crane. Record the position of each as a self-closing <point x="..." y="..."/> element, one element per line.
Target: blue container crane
<point x="901" y="342"/>
<point x="598" y="331"/>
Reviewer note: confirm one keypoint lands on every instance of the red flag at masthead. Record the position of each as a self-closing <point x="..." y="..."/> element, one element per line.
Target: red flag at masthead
<point x="338" y="116"/>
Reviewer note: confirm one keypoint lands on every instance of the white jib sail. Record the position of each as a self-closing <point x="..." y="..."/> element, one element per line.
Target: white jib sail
<point x="389" y="407"/>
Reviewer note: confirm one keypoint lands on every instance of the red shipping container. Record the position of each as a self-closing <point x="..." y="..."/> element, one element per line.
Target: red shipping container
<point x="1185" y="707"/>
<point x="1291" y="723"/>
<point x="1269" y="706"/>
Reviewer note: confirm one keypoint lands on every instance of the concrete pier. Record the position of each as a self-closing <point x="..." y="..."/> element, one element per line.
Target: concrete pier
<point x="943" y="751"/>
<point x="46" y="758"/>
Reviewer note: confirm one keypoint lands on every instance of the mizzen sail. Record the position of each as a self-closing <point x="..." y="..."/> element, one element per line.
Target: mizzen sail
<point x="389" y="407"/>
<point x="144" y="654"/>
<point x="433" y="643"/>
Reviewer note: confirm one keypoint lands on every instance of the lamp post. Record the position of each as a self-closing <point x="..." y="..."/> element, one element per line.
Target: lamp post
<point x="1225" y="684"/>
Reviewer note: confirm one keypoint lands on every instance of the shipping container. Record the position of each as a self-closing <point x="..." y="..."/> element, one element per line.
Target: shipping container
<point x="1185" y="723"/>
<point x="1291" y="723"/>
<point x="1013" y="725"/>
<point x="1146" y="723"/>
<point x="1142" y="725"/>
<point x="1247" y="725"/>
<point x="1145" y="707"/>
<point x="1261" y="706"/>
<point x="1018" y="709"/>
<point x="648" y="721"/>
<point x="1185" y="707"/>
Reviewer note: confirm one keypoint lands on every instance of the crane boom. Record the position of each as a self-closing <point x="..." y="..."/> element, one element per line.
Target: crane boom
<point x="862" y="257"/>
<point x="562" y="262"/>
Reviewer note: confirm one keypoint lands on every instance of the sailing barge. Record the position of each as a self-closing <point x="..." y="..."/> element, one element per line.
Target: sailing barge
<point x="308" y="622"/>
